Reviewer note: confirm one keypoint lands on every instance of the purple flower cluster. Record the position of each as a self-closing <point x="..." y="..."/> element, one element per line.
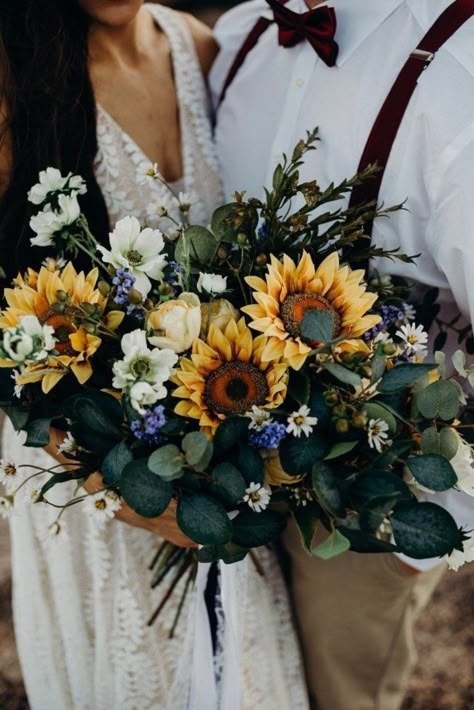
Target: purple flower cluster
<point x="174" y="278"/>
<point x="391" y="315"/>
<point x="269" y="436"/>
<point x="148" y="427"/>
<point x="124" y="281"/>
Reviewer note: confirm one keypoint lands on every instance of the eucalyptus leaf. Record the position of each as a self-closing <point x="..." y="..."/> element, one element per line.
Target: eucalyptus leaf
<point x="326" y="489"/>
<point x="424" y="530"/>
<point x="440" y="399"/>
<point x="341" y="449"/>
<point x="317" y="326"/>
<point x="204" y="519"/>
<point x="297" y="455"/>
<point x="402" y="376"/>
<point x="228" y="483"/>
<point x="432" y="471"/>
<point x="375" y="512"/>
<point x="362" y="541"/>
<point x="199" y="243"/>
<point x="38" y="432"/>
<point x="115" y="462"/>
<point x="377" y="484"/>
<point x="307" y="519"/>
<point x="95" y="411"/>
<point x="444" y="442"/>
<point x="197" y="449"/>
<point x="18" y="415"/>
<point x="255" y="529"/>
<point x="343" y="374"/>
<point x="250" y="463"/>
<point x="167" y="462"/>
<point x="232" y="432"/>
<point x="299" y="387"/>
<point x="332" y="547"/>
<point x="146" y="493"/>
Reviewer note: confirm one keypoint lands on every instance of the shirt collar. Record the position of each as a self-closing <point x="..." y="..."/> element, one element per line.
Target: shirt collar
<point x="356" y="21"/>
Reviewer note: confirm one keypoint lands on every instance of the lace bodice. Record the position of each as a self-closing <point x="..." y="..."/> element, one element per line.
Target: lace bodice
<point x="81" y="601"/>
<point x="120" y="162"/>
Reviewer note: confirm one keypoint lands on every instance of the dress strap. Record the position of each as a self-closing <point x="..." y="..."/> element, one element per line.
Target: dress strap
<point x="386" y="127"/>
<point x="250" y="42"/>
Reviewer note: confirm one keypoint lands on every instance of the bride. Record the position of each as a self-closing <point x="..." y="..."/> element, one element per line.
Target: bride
<point x="104" y="88"/>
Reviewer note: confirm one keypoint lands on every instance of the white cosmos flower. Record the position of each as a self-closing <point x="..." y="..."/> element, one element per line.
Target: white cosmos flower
<point x="300" y="422"/>
<point x="137" y="250"/>
<point x="29" y="340"/>
<point x="213" y="284"/>
<point x="9" y="475"/>
<point x="414" y="337"/>
<point x="185" y="201"/>
<point x="257" y="496"/>
<point x="258" y="418"/>
<point x="457" y="558"/>
<point x="51" y="180"/>
<point x="102" y="506"/>
<point x="48" y="222"/>
<point x="6" y="507"/>
<point x="463" y="464"/>
<point x="377" y="434"/>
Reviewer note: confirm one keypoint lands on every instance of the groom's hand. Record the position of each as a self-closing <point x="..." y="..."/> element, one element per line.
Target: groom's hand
<point x="165" y="525"/>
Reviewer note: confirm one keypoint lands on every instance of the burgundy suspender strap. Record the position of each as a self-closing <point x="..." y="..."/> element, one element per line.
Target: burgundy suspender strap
<point x="387" y="124"/>
<point x="255" y="33"/>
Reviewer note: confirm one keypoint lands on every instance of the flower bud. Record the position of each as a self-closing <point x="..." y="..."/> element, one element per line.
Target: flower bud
<point x="58" y="307"/>
<point x="242" y="238"/>
<point x="389" y="349"/>
<point x="359" y="421"/>
<point x="88" y="308"/>
<point x="134" y="297"/>
<point x="222" y="253"/>
<point x="166" y="289"/>
<point x="331" y="397"/>
<point x="90" y="328"/>
<point x="342" y="426"/>
<point x="62" y="296"/>
<point x="148" y="305"/>
<point x="339" y="410"/>
<point x="261" y="259"/>
<point x="104" y="288"/>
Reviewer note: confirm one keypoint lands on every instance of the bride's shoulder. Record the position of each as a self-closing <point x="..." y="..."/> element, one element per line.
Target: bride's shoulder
<point x="204" y="41"/>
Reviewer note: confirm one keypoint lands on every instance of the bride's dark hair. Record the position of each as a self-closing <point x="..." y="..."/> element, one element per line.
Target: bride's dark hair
<point x="51" y="114"/>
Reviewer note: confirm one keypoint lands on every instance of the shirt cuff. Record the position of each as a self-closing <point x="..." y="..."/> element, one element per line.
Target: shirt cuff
<point x="420" y="565"/>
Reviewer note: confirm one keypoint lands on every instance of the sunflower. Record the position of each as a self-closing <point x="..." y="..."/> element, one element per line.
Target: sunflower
<point x="56" y="298"/>
<point x="289" y="291"/>
<point x="227" y="376"/>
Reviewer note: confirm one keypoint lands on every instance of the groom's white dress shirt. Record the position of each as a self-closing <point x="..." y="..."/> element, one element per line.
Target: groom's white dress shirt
<point x="279" y="93"/>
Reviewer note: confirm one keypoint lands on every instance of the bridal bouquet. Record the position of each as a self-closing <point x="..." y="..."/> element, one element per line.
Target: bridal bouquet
<point x="239" y="369"/>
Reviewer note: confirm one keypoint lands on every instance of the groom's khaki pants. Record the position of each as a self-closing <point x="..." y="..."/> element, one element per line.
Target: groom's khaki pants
<point x="356" y="615"/>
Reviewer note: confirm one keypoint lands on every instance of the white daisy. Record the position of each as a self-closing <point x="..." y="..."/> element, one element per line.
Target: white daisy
<point x="213" y="284"/>
<point x="147" y="173"/>
<point x="185" y="201"/>
<point x="6" y="507"/>
<point x="383" y="338"/>
<point x="258" y="418"/>
<point x="68" y="445"/>
<point x="410" y="312"/>
<point x="138" y="251"/>
<point x="457" y="558"/>
<point x="9" y="475"/>
<point x="57" y="262"/>
<point x="414" y="337"/>
<point x="257" y="497"/>
<point x="377" y="434"/>
<point x="300" y="422"/>
<point x="102" y="506"/>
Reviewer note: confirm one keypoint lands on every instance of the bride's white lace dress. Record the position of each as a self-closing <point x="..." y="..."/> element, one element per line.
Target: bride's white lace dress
<point x="81" y="601"/>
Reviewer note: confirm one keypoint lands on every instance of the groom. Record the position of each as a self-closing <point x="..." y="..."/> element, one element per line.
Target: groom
<point x="402" y="73"/>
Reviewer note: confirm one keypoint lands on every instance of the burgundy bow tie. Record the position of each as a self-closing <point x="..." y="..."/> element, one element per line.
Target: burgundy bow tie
<point x="318" y="26"/>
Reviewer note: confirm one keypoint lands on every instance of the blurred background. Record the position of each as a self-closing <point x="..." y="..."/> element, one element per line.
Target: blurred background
<point x="444" y="677"/>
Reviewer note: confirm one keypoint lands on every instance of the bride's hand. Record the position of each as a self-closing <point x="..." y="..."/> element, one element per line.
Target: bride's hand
<point x="165" y="525"/>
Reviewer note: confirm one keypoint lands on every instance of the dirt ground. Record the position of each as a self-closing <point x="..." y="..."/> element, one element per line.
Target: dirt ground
<point x="443" y="679"/>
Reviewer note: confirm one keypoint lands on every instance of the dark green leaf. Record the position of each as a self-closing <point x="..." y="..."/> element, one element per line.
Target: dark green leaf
<point x="17" y="415"/>
<point x="299" y="387"/>
<point x="440" y="399"/>
<point x="204" y="519"/>
<point x="250" y="463"/>
<point x="147" y="494"/>
<point x="297" y="455"/>
<point x="363" y="542"/>
<point x="199" y="242"/>
<point x="432" y="471"/>
<point x="424" y="530"/>
<point x="378" y="364"/>
<point x="377" y="484"/>
<point x="326" y="489"/>
<point x="374" y="513"/>
<point x="402" y="376"/>
<point x="319" y="408"/>
<point x="228" y="483"/>
<point x="232" y="432"/>
<point x="95" y="411"/>
<point x="198" y="450"/>
<point x="55" y="479"/>
<point x="167" y="462"/>
<point x="38" y="432"/>
<point x="307" y="520"/>
<point x="341" y="449"/>
<point x="115" y="462"/>
<point x="317" y="326"/>
<point x="228" y="553"/>
<point x="255" y="529"/>
<point x="343" y="374"/>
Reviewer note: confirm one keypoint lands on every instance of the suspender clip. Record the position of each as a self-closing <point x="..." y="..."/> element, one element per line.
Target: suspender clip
<point x="423" y="56"/>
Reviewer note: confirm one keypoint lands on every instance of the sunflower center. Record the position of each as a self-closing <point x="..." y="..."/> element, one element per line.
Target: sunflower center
<point x="140" y="367"/>
<point x="134" y="257"/>
<point x="63" y="328"/>
<point x="100" y="504"/>
<point x="235" y="387"/>
<point x="294" y="308"/>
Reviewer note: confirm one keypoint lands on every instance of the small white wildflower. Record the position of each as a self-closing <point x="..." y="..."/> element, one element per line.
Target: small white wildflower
<point x="213" y="284"/>
<point x="56" y="262"/>
<point x="410" y="312"/>
<point x="6" y="506"/>
<point x="102" y="506"/>
<point x="9" y="475"/>
<point x="68" y="445"/>
<point x="301" y="422"/>
<point x="51" y="181"/>
<point x="31" y="492"/>
<point x="383" y="338"/>
<point x="414" y="337"/>
<point x="49" y="222"/>
<point x="301" y="497"/>
<point x="257" y="497"/>
<point x="148" y="173"/>
<point x="258" y="418"/>
<point x="377" y="434"/>
<point x="457" y="558"/>
<point x="185" y="201"/>
<point x="18" y="388"/>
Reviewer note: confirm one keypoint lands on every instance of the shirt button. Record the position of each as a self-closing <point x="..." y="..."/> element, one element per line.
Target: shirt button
<point x="299" y="83"/>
